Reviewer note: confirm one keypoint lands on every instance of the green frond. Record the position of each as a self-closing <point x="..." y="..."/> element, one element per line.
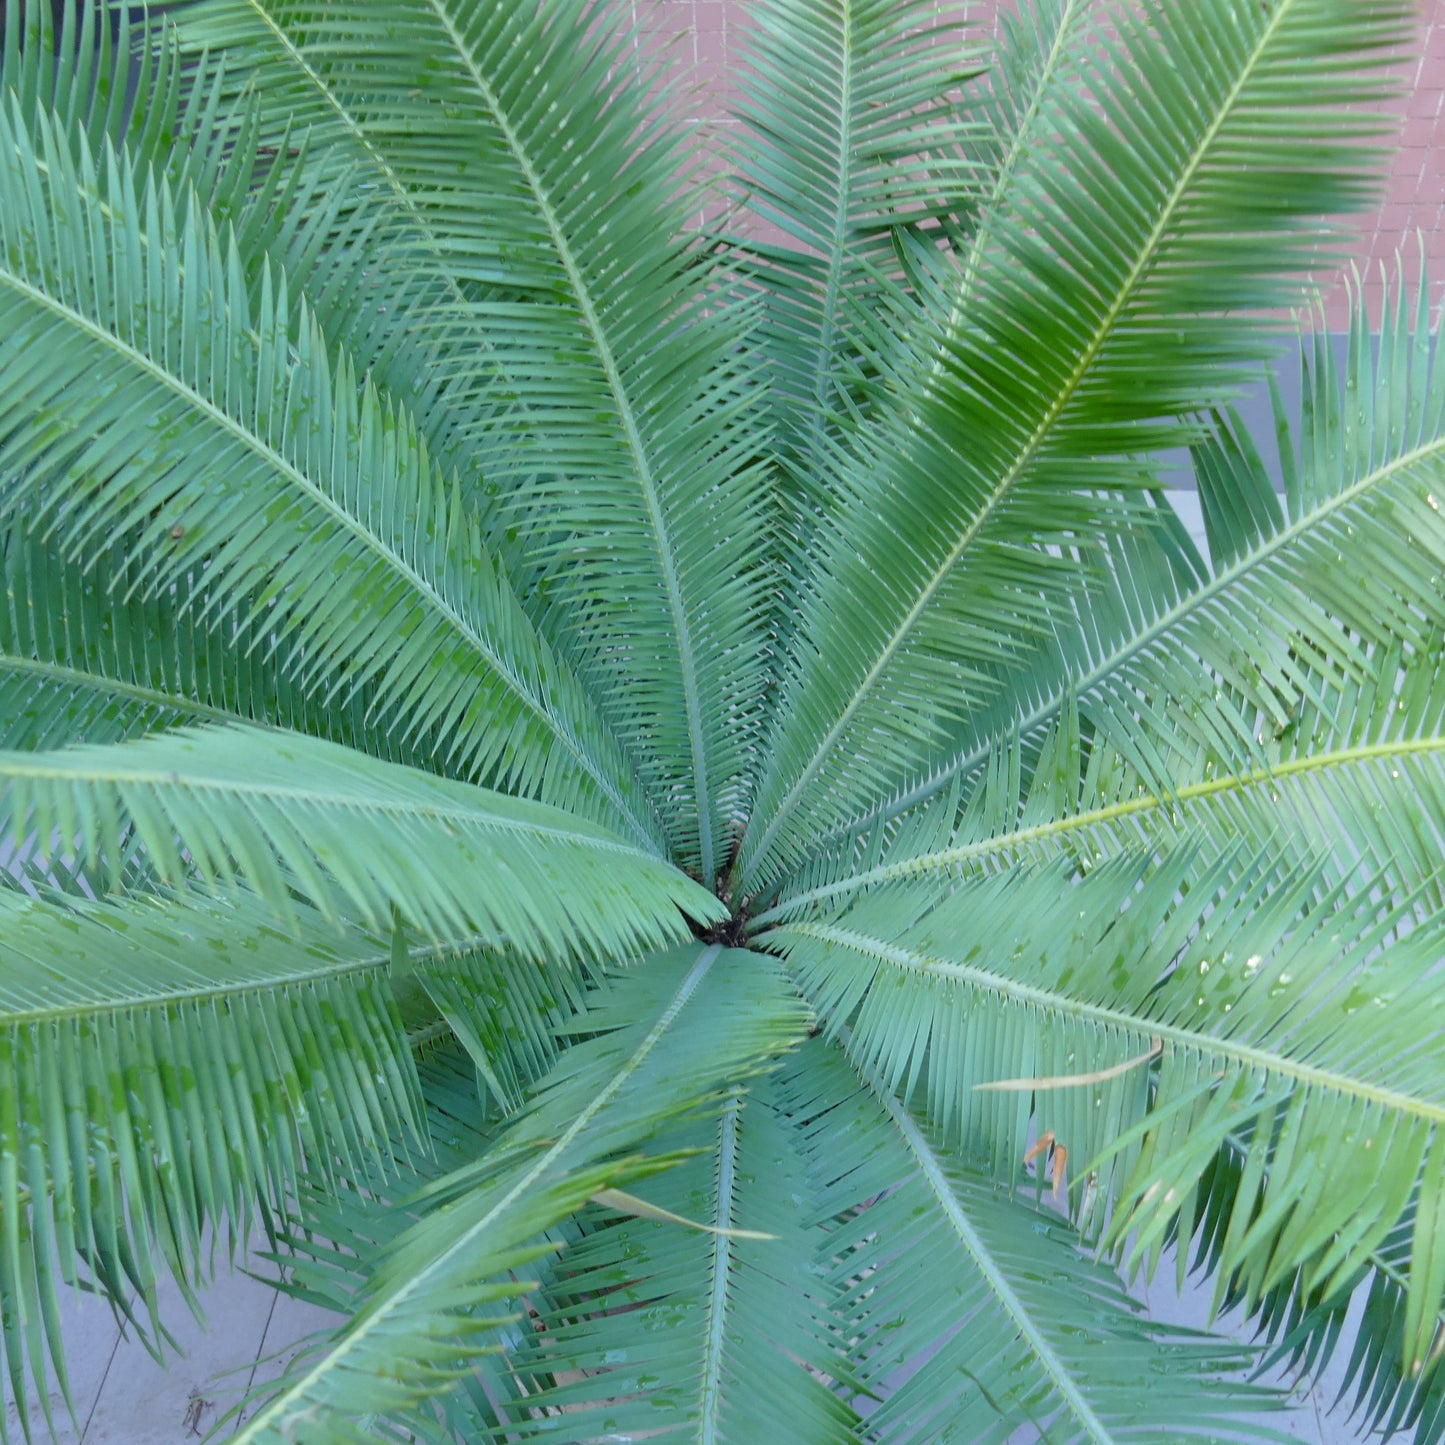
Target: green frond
<point x="227" y="438"/>
<point x="359" y="838"/>
<point x="193" y="129"/>
<point x="77" y="76"/>
<point x="849" y="134"/>
<point x="286" y="205"/>
<point x="326" y="1234"/>
<point x="69" y="673"/>
<point x="1367" y="772"/>
<point x="1096" y="663"/>
<point x="1037" y="66"/>
<point x="88" y="654"/>
<point x="723" y="1336"/>
<point x="1106" y="301"/>
<point x="669" y="1040"/>
<point x="632" y="480"/>
<point x="393" y="299"/>
<point x="1297" y="1018"/>
<point x="329" y="1236"/>
<point x="1314" y="602"/>
<point x="971" y="1315"/>
<point x="506" y="1012"/>
<point x="1305" y="1326"/>
<point x="166" y="1064"/>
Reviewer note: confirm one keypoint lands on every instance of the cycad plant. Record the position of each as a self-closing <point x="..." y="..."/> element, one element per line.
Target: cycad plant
<point x="670" y="810"/>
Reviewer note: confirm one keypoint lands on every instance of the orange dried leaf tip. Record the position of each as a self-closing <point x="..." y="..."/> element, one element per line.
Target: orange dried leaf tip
<point x="1045" y="1141"/>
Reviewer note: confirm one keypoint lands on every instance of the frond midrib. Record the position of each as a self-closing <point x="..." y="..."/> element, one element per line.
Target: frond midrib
<point x="17" y="765"/>
<point x="140" y="1002"/>
<point x="1246" y="1055"/>
<point x="1029" y="450"/>
<point x="714" y="1337"/>
<point x="65" y="675"/>
<point x="137" y="1001"/>
<point x="944" y="858"/>
<point x="631" y="430"/>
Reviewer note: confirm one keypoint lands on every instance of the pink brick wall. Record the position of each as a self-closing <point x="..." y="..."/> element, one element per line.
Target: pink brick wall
<point x="705" y="36"/>
<point x="1414" y="199"/>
